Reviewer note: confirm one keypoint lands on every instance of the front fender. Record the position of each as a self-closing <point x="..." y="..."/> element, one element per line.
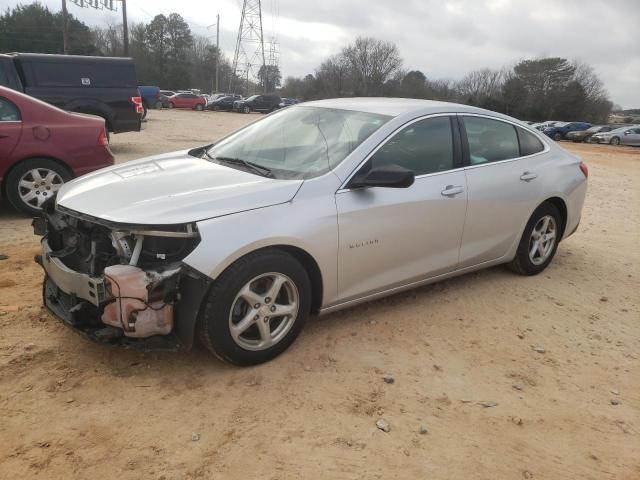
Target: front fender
<point x="226" y="239"/>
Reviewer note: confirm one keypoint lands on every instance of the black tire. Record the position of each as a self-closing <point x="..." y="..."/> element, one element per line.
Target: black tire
<point x="615" y="141"/>
<point x="12" y="186"/>
<point x="158" y="105"/>
<point x="144" y="112"/>
<point x="213" y="323"/>
<point x="216" y="108"/>
<point x="522" y="263"/>
<point x="246" y="109"/>
<point x="199" y="107"/>
<point x="557" y="137"/>
<point x="171" y="105"/>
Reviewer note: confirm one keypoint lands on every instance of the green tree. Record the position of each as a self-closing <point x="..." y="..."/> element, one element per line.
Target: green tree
<point x="33" y="28"/>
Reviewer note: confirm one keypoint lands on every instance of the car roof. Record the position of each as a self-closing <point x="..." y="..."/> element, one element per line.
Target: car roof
<point x="396" y="106"/>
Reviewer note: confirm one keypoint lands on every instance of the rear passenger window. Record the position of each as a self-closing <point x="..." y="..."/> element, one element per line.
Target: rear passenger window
<point x="529" y="143"/>
<point x="490" y="140"/>
<point x="8" y="111"/>
<point x="423" y="147"/>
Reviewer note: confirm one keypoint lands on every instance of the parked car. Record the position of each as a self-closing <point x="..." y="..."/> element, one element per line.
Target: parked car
<point x="560" y="130"/>
<point x="150" y="96"/>
<point x="222" y="103"/>
<point x="585" y="135"/>
<point x="187" y="100"/>
<point x="102" y="86"/>
<point x="288" y="101"/>
<point x="237" y="242"/>
<point x="541" y="126"/>
<point x="41" y="147"/>
<point x="258" y="103"/>
<point x="164" y="101"/>
<point x="619" y="136"/>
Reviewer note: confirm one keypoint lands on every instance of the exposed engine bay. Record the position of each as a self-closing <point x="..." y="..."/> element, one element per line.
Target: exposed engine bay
<point x="120" y="284"/>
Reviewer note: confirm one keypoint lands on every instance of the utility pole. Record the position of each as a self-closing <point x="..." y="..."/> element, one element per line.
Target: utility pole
<point x="125" y="28"/>
<point x="217" y="24"/>
<point x="65" y="28"/>
<point x="249" y="54"/>
<point x="217" y="49"/>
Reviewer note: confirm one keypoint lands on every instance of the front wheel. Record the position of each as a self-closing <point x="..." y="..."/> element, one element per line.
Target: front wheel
<point x="539" y="241"/>
<point x="34" y="181"/>
<point x="256" y="308"/>
<point x="557" y="137"/>
<point x="158" y="105"/>
<point x="615" y="141"/>
<point x="172" y="105"/>
<point x="199" y="107"/>
<point x="246" y="110"/>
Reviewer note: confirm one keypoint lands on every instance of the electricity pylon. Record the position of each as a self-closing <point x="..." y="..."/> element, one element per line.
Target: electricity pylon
<point x="249" y="55"/>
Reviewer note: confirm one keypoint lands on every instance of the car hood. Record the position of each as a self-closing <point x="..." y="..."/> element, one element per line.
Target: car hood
<point x="170" y="189"/>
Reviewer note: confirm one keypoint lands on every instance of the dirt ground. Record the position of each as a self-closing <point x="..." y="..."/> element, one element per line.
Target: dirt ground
<point x="462" y="352"/>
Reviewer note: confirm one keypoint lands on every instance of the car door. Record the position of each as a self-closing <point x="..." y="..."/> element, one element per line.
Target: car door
<point x="10" y="129"/>
<point x="394" y="236"/>
<point x="631" y="136"/>
<point x="505" y="172"/>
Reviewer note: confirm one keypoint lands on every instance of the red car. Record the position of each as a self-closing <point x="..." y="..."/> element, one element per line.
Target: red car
<point x="187" y="100"/>
<point x="41" y="147"/>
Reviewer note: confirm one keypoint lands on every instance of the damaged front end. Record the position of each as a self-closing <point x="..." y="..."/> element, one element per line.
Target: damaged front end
<point x="120" y="284"/>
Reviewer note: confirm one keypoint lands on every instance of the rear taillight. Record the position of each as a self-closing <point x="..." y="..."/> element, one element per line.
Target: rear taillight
<point x="584" y="169"/>
<point x="137" y="101"/>
<point x="102" y="138"/>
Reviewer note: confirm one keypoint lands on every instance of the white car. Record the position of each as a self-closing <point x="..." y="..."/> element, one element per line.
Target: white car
<point x="314" y="208"/>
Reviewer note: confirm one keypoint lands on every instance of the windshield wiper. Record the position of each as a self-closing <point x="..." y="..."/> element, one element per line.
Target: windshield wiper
<point x="254" y="167"/>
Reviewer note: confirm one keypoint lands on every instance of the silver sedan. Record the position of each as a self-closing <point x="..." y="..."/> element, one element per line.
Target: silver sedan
<point x="317" y="207"/>
<point x="619" y="136"/>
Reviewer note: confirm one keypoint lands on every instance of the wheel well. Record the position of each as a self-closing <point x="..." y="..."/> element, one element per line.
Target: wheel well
<point x="3" y="187"/>
<point x="311" y="266"/>
<point x="562" y="208"/>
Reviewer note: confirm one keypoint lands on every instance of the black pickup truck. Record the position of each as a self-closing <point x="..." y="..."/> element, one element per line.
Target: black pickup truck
<point x="102" y="86"/>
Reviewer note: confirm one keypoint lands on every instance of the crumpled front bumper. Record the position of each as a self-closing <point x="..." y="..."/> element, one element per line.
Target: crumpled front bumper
<point x="78" y="300"/>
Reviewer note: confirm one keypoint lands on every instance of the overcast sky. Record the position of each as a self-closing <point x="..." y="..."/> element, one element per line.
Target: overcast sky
<point x="443" y="38"/>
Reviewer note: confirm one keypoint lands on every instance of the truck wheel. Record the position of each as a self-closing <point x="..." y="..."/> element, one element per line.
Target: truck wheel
<point x="256" y="308"/>
<point x="32" y="182"/>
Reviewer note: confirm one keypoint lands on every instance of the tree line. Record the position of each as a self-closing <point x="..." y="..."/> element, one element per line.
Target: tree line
<point x="533" y="89"/>
<point x="169" y="55"/>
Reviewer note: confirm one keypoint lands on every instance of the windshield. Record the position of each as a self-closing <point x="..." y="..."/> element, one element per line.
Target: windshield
<point x="252" y="97"/>
<point x="298" y="142"/>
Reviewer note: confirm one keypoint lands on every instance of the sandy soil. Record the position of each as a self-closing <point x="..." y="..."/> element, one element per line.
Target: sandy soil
<point x="71" y="409"/>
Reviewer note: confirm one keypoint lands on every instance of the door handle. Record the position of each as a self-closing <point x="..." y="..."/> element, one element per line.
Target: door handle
<point x="451" y="190"/>
<point x="528" y="176"/>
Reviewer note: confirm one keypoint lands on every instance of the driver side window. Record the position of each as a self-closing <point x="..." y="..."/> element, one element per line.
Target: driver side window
<point x="423" y="147"/>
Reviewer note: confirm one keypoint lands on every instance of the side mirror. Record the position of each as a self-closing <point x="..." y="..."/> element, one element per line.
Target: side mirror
<point x="388" y="176"/>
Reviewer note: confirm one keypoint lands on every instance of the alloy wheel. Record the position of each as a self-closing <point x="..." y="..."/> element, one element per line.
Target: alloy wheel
<point x="37" y="185"/>
<point x="542" y="240"/>
<point x="264" y="311"/>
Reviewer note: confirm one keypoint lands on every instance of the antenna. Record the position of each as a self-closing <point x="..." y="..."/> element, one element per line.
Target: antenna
<point x="249" y="55"/>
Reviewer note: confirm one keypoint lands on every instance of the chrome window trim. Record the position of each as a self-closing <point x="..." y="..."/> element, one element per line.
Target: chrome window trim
<point x="343" y="188"/>
<point x="10" y="121"/>
<point x="546" y="146"/>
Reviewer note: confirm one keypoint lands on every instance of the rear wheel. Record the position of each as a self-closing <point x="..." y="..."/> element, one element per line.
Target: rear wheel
<point x="144" y="111"/>
<point x="539" y="241"/>
<point x="557" y="137"/>
<point x="199" y="107"/>
<point x="171" y="105"/>
<point x="615" y="141"/>
<point x="256" y="308"/>
<point x="34" y="181"/>
<point x="159" y="105"/>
